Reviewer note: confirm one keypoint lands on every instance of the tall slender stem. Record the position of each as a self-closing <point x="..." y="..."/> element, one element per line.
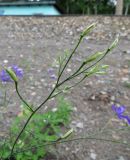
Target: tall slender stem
<point x="33" y="112"/>
<point x="28" y="120"/>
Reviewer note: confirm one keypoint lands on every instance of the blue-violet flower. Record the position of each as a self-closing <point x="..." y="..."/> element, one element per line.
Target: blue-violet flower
<point x="51" y="74"/>
<point x="4" y="76"/>
<point x="120" y="113"/>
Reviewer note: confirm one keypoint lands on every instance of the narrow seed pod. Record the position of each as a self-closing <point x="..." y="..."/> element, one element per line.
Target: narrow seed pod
<point x="93" y="57"/>
<point x="104" y="66"/>
<point x="114" y="44"/>
<point x="12" y="74"/>
<point x="101" y="72"/>
<point x="88" y="30"/>
<point x="67" y="134"/>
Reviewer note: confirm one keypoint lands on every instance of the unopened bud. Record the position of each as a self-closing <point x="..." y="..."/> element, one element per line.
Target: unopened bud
<point x="114" y="44"/>
<point x="105" y="66"/>
<point x="12" y="74"/>
<point x="93" y="57"/>
<point x="101" y="72"/>
<point x="88" y="30"/>
<point x="67" y="134"/>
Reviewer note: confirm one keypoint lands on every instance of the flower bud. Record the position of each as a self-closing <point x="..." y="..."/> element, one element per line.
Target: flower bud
<point x="114" y="44"/>
<point x="101" y="72"/>
<point x="88" y="30"/>
<point x="93" y="57"/>
<point x="67" y="134"/>
<point x="12" y="74"/>
<point x="105" y="66"/>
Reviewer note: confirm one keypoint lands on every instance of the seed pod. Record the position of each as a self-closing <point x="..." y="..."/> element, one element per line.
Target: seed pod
<point x="67" y="134"/>
<point x="114" y="44"/>
<point x="88" y="30"/>
<point x="93" y="57"/>
<point x="12" y="74"/>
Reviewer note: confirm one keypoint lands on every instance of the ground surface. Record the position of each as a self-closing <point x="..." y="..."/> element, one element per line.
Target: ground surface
<point x="34" y="43"/>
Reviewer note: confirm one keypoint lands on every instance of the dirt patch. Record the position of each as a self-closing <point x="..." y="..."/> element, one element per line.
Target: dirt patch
<point x="34" y="42"/>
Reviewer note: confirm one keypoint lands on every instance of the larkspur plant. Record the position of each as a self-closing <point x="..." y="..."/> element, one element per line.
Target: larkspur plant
<point x="44" y="127"/>
<point x="88" y="67"/>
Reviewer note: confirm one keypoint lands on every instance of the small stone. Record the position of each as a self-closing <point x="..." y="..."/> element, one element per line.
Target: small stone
<point x="93" y="155"/>
<point x="113" y="98"/>
<point x="92" y="97"/>
<point x="126" y="51"/>
<point x="45" y="108"/>
<point x="103" y="92"/>
<point x="121" y="158"/>
<point x="70" y="33"/>
<point x="21" y="55"/>
<point x="54" y="109"/>
<point x="33" y="93"/>
<point x="38" y="70"/>
<point x="80" y="125"/>
<point x="125" y="79"/>
<point x="42" y="80"/>
<point x="116" y="137"/>
<point x="69" y="70"/>
<point x="67" y="149"/>
<point x="5" y="61"/>
<point x="75" y="109"/>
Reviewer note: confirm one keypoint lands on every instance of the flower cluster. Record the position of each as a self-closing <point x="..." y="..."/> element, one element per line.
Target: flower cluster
<point x="120" y="113"/>
<point x="4" y="76"/>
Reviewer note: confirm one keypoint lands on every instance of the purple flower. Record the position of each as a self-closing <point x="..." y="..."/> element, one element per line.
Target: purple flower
<point x="51" y="73"/>
<point x="4" y="76"/>
<point x="120" y="113"/>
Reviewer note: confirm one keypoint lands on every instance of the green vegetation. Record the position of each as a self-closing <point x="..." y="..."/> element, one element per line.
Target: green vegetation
<point x="86" y="6"/>
<point x="117" y="7"/>
<point x="43" y="128"/>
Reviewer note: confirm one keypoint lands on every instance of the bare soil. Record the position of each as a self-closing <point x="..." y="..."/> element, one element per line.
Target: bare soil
<point x="34" y="43"/>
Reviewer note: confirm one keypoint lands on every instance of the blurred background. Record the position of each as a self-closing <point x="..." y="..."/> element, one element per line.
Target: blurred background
<point x="61" y="7"/>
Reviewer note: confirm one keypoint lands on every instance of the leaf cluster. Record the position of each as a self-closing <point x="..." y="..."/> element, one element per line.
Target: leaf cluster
<point x="43" y="128"/>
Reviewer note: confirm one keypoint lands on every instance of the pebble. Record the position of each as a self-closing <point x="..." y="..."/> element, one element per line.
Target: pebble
<point x="33" y="93"/>
<point x="93" y="156"/>
<point x="121" y="158"/>
<point x="80" y="125"/>
<point x="126" y="51"/>
<point x="69" y="70"/>
<point x="54" y="109"/>
<point x="5" y="61"/>
<point x="125" y="79"/>
<point x="42" y="80"/>
<point x="70" y="33"/>
<point x="21" y="55"/>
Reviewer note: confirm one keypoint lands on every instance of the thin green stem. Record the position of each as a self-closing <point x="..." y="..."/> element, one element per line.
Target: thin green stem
<point x="76" y="73"/>
<point x="56" y="86"/>
<point x="91" y="65"/>
<point x="28" y="120"/>
<point x="89" y="137"/>
<point x="22" y="99"/>
<point x="80" y="39"/>
<point x="68" y="88"/>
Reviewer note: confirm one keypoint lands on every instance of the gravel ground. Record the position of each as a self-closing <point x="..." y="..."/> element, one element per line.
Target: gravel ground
<point x="33" y="43"/>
